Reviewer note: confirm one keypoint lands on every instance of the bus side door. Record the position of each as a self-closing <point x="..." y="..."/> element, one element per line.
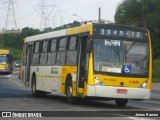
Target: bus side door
<point x="28" y="64"/>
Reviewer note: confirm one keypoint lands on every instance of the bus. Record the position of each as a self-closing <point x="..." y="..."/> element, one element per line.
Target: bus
<point x="94" y="61"/>
<point x="6" y="60"/>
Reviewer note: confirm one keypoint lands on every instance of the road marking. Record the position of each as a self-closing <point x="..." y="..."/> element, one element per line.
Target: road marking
<point x="139" y="118"/>
<point x="9" y="76"/>
<point x="134" y="118"/>
<point x="15" y="82"/>
<point x="146" y="108"/>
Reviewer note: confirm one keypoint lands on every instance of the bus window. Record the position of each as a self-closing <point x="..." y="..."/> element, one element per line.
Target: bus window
<point x="36" y="55"/>
<point x="61" y="53"/>
<point x="52" y="52"/>
<point x="36" y="49"/>
<point x="45" y="44"/>
<point x="62" y="44"/>
<point x="43" y="59"/>
<point x="73" y="43"/>
<point x="72" y="51"/>
<point x="53" y="45"/>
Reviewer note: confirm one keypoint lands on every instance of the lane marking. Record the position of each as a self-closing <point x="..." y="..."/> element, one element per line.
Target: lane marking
<point x="15" y="82"/>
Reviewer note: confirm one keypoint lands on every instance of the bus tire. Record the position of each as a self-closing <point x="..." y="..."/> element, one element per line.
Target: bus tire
<point x="35" y="92"/>
<point x="69" y="97"/>
<point x="121" y="102"/>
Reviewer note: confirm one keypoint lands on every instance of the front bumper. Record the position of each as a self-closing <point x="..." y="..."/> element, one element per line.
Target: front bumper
<point x="115" y="92"/>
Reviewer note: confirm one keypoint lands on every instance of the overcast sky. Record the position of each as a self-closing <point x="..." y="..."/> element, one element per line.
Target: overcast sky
<point x="28" y="13"/>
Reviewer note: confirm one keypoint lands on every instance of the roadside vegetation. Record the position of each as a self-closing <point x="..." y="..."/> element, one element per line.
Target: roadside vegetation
<point x="156" y="70"/>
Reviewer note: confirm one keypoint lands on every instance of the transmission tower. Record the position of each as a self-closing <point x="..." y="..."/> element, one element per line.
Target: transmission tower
<point x="61" y="15"/>
<point x="10" y="19"/>
<point x="44" y="23"/>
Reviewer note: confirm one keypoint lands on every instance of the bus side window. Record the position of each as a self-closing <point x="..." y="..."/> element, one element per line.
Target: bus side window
<point x="52" y="52"/>
<point x="45" y="44"/>
<point x="61" y="51"/>
<point x="71" y="58"/>
<point x="36" y="55"/>
<point x="43" y="56"/>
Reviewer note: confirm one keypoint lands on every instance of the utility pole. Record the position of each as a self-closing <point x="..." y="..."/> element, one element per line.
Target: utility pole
<point x="10" y="19"/>
<point x="99" y="15"/>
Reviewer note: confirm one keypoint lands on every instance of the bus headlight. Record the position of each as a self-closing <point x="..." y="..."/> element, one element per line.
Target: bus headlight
<point x="6" y="66"/>
<point x="98" y="82"/>
<point x="144" y="84"/>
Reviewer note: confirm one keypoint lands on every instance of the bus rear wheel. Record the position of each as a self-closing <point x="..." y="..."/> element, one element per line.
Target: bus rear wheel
<point x="70" y="98"/>
<point x="121" y="102"/>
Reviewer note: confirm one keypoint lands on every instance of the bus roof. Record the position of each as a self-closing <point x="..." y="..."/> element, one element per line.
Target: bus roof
<point x="64" y="32"/>
<point x="4" y="51"/>
<point x="75" y="30"/>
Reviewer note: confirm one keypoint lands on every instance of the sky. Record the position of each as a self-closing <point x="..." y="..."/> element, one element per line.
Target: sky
<point x="31" y="13"/>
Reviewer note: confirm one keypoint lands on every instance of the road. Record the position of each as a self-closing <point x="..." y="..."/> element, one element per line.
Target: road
<point x="15" y="97"/>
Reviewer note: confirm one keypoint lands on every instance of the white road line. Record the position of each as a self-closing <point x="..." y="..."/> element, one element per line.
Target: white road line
<point x="135" y="118"/>
<point x="139" y="118"/>
<point x="148" y="108"/>
<point x="15" y="82"/>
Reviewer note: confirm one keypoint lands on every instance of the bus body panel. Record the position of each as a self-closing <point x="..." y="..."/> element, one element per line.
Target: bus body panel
<point x="150" y="62"/>
<point x="52" y="78"/>
<point x="118" y="92"/>
<point x="121" y="81"/>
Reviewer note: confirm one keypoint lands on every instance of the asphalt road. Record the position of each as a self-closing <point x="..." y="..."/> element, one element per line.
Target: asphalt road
<point x="14" y="97"/>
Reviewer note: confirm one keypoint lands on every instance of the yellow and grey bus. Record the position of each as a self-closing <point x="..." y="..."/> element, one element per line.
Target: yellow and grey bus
<point x="6" y="60"/>
<point x="95" y="60"/>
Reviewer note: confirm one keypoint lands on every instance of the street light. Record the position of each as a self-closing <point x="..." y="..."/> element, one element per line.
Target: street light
<point x="79" y="17"/>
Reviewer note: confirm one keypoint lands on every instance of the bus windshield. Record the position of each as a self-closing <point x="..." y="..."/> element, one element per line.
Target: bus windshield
<point x="121" y="56"/>
<point x="3" y="59"/>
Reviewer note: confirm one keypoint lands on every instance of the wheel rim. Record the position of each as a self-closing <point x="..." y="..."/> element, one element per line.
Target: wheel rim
<point x="69" y="91"/>
<point x="69" y="94"/>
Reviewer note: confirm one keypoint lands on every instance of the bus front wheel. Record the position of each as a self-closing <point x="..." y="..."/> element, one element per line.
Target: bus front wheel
<point x="121" y="102"/>
<point x="35" y="92"/>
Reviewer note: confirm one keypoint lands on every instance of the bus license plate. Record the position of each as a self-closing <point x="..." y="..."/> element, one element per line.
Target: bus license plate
<point x="122" y="91"/>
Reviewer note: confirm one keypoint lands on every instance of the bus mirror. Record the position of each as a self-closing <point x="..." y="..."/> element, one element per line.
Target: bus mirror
<point x="89" y="45"/>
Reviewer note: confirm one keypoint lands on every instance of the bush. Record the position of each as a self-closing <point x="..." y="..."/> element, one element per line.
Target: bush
<point x="156" y="70"/>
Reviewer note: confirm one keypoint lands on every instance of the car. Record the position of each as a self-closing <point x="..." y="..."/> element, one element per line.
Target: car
<point x="17" y="64"/>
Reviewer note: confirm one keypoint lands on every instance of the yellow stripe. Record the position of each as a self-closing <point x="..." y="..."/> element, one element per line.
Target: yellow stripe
<point x="40" y="76"/>
<point x="79" y="29"/>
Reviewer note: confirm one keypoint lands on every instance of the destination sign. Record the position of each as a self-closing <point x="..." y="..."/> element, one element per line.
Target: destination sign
<point x="120" y="33"/>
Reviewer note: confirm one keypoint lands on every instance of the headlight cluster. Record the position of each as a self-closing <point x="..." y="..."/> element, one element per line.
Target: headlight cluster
<point x="98" y="82"/>
<point x="144" y="84"/>
<point x="6" y="66"/>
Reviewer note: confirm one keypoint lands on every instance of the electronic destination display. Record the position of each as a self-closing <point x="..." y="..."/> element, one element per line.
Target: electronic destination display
<point x="123" y="32"/>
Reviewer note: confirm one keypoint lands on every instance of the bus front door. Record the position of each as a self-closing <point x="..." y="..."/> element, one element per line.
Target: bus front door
<point x="82" y="66"/>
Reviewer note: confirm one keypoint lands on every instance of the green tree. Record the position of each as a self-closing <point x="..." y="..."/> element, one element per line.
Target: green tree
<point x="143" y="13"/>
